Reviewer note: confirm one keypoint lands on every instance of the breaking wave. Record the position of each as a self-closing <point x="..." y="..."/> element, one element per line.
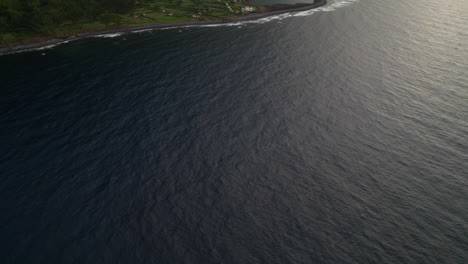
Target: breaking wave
<point x="110" y="35"/>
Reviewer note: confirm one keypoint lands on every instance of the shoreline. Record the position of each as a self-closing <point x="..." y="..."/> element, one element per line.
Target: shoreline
<point x="79" y="36"/>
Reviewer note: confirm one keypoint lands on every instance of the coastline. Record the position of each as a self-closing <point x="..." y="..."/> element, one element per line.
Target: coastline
<point x="249" y="17"/>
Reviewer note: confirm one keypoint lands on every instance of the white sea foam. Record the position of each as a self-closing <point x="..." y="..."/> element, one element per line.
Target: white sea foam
<point x="40" y="48"/>
<point x="142" y="30"/>
<point x="111" y="35"/>
<point x="51" y="46"/>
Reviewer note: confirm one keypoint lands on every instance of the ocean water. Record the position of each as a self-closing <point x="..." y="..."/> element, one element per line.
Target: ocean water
<point x="337" y="135"/>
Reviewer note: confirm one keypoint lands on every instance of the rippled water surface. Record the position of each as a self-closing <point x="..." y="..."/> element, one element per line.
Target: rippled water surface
<point x="338" y="135"/>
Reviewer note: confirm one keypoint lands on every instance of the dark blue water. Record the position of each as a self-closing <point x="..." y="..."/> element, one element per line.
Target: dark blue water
<point x="335" y="136"/>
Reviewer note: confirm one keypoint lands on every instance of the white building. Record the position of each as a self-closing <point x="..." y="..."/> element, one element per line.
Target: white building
<point x="248" y="9"/>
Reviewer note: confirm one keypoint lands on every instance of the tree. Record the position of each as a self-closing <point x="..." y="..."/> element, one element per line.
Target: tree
<point x="110" y="18"/>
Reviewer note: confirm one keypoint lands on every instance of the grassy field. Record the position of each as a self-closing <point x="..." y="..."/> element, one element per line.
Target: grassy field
<point x="145" y="13"/>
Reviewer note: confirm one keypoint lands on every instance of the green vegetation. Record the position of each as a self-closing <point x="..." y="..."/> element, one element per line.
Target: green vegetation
<point x="30" y="20"/>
